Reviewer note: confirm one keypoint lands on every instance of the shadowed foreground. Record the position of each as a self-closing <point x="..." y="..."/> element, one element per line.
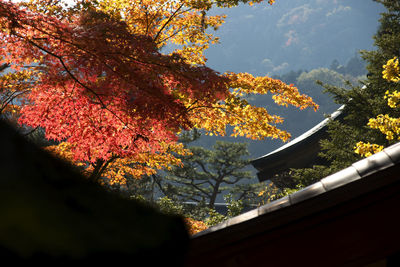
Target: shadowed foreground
<point x="51" y="214"/>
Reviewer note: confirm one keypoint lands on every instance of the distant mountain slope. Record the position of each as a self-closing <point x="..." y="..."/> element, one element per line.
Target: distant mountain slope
<point x="295" y="34"/>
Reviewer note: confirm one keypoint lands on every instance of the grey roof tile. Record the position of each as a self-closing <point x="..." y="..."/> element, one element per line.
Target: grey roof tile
<point x="243" y="217"/>
<point x="340" y="178"/>
<point x="374" y="163"/>
<point x="274" y="205"/>
<point x="306" y="193"/>
<point x="393" y="152"/>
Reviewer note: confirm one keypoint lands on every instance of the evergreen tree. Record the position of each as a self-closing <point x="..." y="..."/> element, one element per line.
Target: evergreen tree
<point x="207" y="173"/>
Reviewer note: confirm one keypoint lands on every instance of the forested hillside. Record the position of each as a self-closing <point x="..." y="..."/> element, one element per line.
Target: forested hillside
<point x="292" y="35"/>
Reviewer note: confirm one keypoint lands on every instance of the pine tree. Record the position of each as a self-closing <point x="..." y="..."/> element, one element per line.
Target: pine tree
<point x="206" y="174"/>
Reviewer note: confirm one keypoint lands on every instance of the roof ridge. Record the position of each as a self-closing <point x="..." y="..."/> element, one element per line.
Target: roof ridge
<point x="387" y="158"/>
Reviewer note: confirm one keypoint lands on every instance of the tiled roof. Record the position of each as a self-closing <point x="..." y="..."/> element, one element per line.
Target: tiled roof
<point x="362" y="170"/>
<point x="305" y="135"/>
<point x="292" y="154"/>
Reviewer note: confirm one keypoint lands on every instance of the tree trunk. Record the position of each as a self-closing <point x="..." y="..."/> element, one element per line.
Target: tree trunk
<point x="214" y="194"/>
<point x="99" y="168"/>
<point x="96" y="173"/>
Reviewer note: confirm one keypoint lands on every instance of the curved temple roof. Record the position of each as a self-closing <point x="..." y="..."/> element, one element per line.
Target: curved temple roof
<point x="298" y="153"/>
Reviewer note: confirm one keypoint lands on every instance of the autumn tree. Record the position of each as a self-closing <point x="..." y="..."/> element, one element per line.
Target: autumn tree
<point x="388" y="125"/>
<point x="115" y="103"/>
<point x="14" y="86"/>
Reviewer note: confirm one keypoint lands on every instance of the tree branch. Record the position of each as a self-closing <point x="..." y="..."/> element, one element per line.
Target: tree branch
<point x="168" y="21"/>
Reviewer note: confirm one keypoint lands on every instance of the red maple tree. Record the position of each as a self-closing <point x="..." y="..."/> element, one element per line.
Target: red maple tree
<point x="105" y="89"/>
<point x="108" y="92"/>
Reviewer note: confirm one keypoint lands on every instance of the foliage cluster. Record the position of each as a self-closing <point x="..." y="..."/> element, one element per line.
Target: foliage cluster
<point x="197" y="217"/>
<point x="387" y="125"/>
